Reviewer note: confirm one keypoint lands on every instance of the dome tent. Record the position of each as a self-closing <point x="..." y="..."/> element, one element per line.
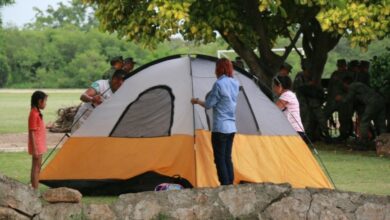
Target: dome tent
<point x="149" y="132"/>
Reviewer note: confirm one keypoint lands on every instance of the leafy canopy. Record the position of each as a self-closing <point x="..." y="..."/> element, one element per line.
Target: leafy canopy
<point x="152" y="21"/>
<point x="75" y="13"/>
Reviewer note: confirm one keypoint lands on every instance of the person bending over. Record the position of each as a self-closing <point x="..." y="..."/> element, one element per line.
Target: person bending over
<point x="98" y="92"/>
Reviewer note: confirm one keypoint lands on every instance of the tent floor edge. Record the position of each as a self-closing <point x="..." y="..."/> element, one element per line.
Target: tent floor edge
<point x="111" y="187"/>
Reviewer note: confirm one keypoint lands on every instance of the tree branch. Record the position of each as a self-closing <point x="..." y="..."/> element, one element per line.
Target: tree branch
<point x="264" y="44"/>
<point x="292" y="45"/>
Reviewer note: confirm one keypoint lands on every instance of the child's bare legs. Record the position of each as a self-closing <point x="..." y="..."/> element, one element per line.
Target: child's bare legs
<point x="35" y="170"/>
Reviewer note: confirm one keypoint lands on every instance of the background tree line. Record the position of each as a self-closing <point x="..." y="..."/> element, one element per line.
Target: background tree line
<point x="64" y="48"/>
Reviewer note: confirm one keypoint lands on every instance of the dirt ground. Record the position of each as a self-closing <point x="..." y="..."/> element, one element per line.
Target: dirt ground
<point x="18" y="142"/>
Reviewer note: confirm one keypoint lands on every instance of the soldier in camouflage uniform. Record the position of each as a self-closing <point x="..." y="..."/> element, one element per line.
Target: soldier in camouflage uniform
<point x="116" y="64"/>
<point x="311" y="97"/>
<point x="374" y="107"/>
<point x="353" y="68"/>
<point x="363" y="76"/>
<point x="344" y="109"/>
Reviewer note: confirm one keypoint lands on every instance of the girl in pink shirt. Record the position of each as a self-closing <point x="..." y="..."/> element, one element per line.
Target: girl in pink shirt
<point x="288" y="103"/>
<point x="36" y="135"/>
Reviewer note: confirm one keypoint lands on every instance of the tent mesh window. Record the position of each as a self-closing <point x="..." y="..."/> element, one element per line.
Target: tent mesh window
<point x="150" y="115"/>
<point x="245" y="120"/>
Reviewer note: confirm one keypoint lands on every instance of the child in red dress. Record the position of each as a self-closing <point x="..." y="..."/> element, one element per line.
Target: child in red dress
<point x="36" y="135"/>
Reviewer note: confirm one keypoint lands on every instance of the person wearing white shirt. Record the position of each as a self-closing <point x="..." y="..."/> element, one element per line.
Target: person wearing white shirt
<point x="97" y="93"/>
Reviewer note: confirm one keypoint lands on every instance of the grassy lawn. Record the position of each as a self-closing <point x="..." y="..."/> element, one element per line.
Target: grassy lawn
<point x="351" y="171"/>
<point x="15" y="107"/>
<point x="18" y="165"/>
<point x="358" y="171"/>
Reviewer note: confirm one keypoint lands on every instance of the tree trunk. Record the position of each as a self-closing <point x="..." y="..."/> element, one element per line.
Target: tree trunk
<point x="317" y="45"/>
<point x="249" y="56"/>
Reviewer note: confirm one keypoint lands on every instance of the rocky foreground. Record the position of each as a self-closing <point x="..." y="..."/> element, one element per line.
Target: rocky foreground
<point x="247" y="201"/>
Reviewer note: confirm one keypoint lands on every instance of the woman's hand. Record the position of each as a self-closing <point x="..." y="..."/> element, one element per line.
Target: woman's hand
<point x="97" y="100"/>
<point x="195" y="101"/>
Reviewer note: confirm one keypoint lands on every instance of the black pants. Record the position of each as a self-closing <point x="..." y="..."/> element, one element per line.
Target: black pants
<point x="222" y="147"/>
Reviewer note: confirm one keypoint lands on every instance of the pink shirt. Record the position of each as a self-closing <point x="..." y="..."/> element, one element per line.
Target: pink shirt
<point x="292" y="110"/>
<point x="36" y="125"/>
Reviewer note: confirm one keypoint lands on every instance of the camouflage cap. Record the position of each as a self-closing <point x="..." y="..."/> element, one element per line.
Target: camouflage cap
<point x="287" y="66"/>
<point x="341" y="62"/>
<point x="353" y="63"/>
<point x="129" y="60"/>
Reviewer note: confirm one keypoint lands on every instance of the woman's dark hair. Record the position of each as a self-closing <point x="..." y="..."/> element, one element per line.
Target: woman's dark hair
<point x="36" y="96"/>
<point x="284" y="81"/>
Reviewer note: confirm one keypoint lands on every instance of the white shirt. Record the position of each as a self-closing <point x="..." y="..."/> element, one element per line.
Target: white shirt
<point x="292" y="110"/>
<point x="102" y="88"/>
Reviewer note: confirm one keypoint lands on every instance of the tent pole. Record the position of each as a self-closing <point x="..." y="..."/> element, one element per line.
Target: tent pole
<point x="193" y="119"/>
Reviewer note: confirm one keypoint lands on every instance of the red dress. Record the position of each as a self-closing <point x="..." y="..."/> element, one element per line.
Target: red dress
<point x="36" y="125"/>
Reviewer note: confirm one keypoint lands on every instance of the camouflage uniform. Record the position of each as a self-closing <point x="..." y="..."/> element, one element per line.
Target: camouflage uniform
<point x="345" y="109"/>
<point x="374" y="107"/>
<point x="363" y="76"/>
<point x="310" y="99"/>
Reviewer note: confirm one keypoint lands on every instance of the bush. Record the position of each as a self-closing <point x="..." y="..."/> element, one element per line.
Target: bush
<point x="380" y="74"/>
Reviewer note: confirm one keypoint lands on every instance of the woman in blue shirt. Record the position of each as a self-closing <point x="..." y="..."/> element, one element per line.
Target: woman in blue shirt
<point x="223" y="100"/>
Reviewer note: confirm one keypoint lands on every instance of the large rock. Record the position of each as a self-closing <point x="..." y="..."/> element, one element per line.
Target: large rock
<point x="383" y="145"/>
<point x="62" y="211"/>
<point x="248" y="201"/>
<point x="370" y="211"/>
<point x="62" y="194"/>
<point x="252" y="201"/>
<point x="98" y="212"/>
<point x="19" y="197"/>
<point x="245" y="201"/>
<point x="331" y="204"/>
<point x="294" y="206"/>
<point x="7" y="214"/>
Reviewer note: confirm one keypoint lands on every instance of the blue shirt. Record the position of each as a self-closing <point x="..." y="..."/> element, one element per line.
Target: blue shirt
<point x="223" y="100"/>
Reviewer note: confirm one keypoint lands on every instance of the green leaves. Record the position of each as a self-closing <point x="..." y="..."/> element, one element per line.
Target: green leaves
<point x="360" y="22"/>
<point x="63" y="15"/>
<point x="380" y="74"/>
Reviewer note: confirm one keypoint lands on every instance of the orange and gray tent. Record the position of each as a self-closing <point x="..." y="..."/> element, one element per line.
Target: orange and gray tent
<point x="149" y="133"/>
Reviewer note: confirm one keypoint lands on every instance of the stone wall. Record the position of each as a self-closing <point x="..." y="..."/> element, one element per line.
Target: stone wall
<point x="246" y="201"/>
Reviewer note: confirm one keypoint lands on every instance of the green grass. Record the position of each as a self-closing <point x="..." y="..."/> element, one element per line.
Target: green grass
<point x="358" y="171"/>
<point x="15" y="107"/>
<point x="18" y="165"/>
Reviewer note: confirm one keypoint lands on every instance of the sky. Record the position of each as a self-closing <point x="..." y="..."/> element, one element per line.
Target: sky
<point x="21" y="12"/>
